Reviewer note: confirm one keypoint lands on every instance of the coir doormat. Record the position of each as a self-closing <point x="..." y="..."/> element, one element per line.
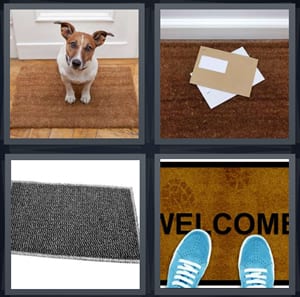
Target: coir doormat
<point x="84" y="222"/>
<point x="39" y="100"/>
<point x="231" y="201"/>
<point x="185" y="114"/>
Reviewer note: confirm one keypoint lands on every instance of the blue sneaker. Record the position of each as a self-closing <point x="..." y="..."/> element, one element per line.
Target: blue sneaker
<point x="256" y="264"/>
<point x="189" y="260"/>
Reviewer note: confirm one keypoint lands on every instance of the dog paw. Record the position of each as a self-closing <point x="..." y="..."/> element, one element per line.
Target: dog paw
<point x="85" y="99"/>
<point x="70" y="99"/>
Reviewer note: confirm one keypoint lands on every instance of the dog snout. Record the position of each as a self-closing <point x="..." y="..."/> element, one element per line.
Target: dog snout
<point x="76" y="63"/>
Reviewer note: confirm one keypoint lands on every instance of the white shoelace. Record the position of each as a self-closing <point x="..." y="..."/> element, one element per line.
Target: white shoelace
<point x="255" y="277"/>
<point x="186" y="273"/>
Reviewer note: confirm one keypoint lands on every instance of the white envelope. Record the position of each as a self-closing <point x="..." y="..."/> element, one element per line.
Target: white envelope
<point x="215" y="97"/>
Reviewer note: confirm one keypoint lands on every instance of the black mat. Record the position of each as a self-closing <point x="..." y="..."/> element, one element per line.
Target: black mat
<point x="86" y="222"/>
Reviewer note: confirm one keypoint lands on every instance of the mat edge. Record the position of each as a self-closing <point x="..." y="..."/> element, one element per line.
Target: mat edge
<point x="137" y="224"/>
<point x="19" y="253"/>
<point x="69" y="184"/>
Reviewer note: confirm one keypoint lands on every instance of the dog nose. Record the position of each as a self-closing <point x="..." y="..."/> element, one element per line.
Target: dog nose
<point x="76" y="62"/>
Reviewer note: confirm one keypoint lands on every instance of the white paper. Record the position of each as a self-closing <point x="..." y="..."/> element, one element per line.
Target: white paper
<point x="215" y="97"/>
<point x="213" y="64"/>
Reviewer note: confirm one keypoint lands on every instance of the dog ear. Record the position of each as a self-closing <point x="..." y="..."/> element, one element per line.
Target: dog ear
<point x="66" y="29"/>
<point x="100" y="37"/>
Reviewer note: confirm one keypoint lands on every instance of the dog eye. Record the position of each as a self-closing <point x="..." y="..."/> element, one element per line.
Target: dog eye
<point x="88" y="48"/>
<point x="73" y="44"/>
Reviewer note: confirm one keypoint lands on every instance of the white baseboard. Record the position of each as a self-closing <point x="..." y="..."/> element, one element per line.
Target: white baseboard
<point x="118" y="49"/>
<point x="224" y="24"/>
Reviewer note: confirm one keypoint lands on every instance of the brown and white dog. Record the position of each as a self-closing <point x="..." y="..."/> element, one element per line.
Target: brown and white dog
<point x="76" y="61"/>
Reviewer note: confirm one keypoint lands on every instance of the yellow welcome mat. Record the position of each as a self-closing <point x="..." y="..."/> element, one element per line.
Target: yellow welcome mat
<point x="230" y="200"/>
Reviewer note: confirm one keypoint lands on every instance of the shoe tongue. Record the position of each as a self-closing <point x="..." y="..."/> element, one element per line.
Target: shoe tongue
<point x="188" y="257"/>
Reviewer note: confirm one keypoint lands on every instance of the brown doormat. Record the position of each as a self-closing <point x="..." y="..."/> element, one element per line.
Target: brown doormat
<point x="231" y="203"/>
<point x="39" y="100"/>
<point x="185" y="114"/>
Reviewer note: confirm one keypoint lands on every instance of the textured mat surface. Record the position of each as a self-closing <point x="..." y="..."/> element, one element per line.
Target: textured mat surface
<point x="231" y="203"/>
<point x="74" y="221"/>
<point x="39" y="100"/>
<point x="185" y="114"/>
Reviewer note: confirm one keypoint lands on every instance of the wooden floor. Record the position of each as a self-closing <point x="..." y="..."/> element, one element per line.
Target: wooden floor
<point x="15" y="66"/>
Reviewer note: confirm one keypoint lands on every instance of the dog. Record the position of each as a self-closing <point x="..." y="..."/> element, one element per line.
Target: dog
<point x="76" y="61"/>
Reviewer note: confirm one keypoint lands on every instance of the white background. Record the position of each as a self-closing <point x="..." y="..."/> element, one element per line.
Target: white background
<point x="51" y="273"/>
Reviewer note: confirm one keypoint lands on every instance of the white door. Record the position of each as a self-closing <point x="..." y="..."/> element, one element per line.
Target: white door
<point x="34" y="35"/>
